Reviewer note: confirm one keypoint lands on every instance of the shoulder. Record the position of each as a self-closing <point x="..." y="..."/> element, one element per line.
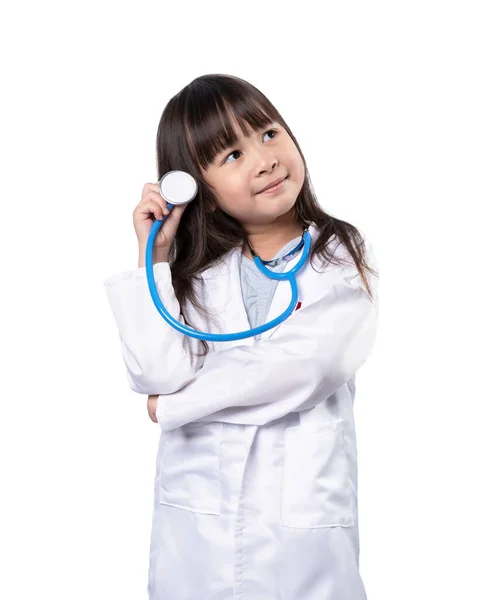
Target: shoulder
<point x="338" y="249"/>
<point x="342" y="265"/>
<point x="222" y="266"/>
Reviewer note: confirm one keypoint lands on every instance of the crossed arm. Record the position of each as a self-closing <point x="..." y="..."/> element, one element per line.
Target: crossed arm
<point x="307" y="359"/>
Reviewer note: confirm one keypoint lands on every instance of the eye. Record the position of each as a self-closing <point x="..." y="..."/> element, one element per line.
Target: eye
<point x="271" y="131"/>
<point x="234" y="152"/>
<point x="238" y="151"/>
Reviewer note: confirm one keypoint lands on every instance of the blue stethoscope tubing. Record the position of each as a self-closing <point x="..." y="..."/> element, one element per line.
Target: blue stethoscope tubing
<point x="224" y="337"/>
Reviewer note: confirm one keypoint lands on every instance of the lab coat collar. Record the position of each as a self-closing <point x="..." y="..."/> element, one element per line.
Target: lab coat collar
<point x="236" y="318"/>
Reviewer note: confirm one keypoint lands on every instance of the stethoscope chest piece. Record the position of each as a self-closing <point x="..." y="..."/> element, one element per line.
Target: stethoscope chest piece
<point x="178" y="187"/>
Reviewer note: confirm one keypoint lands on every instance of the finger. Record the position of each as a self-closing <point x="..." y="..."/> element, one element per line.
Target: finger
<point x="151" y="408"/>
<point x="156" y="197"/>
<point x="180" y="209"/>
<point x="152" y="207"/>
<point x="149" y="187"/>
<point x="177" y="211"/>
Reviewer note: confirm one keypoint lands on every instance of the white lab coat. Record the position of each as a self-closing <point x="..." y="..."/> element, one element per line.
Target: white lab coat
<point x="256" y="473"/>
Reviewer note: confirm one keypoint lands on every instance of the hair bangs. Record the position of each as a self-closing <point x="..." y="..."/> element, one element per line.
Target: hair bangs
<point x="211" y="130"/>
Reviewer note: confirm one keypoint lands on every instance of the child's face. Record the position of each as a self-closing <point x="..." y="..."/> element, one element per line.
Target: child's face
<point x="238" y="175"/>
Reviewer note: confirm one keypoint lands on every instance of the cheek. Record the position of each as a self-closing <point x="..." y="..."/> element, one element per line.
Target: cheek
<point x="237" y="190"/>
<point x="298" y="168"/>
<point x="234" y="196"/>
<point x="294" y="162"/>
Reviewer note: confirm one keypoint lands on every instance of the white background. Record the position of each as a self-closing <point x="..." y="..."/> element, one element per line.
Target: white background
<point x="391" y="103"/>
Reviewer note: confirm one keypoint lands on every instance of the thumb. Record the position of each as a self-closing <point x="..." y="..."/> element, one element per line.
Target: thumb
<point x="175" y="216"/>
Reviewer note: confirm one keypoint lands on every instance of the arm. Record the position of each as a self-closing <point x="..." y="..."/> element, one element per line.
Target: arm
<point x="307" y="359"/>
<point x="158" y="358"/>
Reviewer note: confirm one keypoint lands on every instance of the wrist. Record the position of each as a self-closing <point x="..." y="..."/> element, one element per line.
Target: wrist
<point x="158" y="255"/>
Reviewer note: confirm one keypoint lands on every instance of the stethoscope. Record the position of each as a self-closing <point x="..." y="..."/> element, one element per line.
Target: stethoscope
<point x="178" y="188"/>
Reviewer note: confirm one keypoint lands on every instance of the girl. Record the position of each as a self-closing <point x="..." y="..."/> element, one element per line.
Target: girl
<point x="256" y="474"/>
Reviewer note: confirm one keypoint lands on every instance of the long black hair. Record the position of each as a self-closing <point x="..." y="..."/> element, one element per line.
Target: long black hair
<point x="194" y="127"/>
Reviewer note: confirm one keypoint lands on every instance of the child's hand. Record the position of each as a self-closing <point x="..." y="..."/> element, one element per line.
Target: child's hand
<point x="151" y="207"/>
<point x="151" y="407"/>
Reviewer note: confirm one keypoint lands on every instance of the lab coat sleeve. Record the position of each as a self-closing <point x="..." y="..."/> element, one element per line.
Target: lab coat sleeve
<point x="310" y="356"/>
<point x="158" y="358"/>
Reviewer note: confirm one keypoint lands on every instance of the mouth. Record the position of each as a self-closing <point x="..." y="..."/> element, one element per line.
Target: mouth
<point x="274" y="186"/>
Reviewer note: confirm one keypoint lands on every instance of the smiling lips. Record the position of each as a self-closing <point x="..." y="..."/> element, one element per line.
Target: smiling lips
<point x="274" y="186"/>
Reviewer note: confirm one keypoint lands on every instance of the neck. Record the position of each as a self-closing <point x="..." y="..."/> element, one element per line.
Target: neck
<point x="269" y="239"/>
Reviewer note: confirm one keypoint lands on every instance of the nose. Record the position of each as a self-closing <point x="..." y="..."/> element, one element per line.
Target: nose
<point x="267" y="161"/>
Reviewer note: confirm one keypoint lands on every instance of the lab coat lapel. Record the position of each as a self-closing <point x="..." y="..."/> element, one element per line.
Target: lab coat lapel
<point x="282" y="298"/>
<point x="223" y="286"/>
<point x="237" y="315"/>
<point x="282" y="295"/>
<point x="223" y="290"/>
